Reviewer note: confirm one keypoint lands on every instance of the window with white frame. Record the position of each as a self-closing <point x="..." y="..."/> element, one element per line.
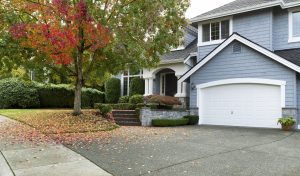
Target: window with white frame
<point x="126" y="78"/>
<point x="294" y="25"/>
<point x="214" y="32"/>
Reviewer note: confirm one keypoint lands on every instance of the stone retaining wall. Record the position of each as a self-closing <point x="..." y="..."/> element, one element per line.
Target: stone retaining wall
<point x="147" y="115"/>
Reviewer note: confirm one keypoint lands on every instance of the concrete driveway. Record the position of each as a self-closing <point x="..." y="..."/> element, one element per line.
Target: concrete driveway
<point x="203" y="150"/>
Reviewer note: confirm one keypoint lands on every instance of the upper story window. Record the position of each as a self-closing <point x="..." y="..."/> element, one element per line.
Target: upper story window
<point x="294" y="25"/>
<point x="214" y="32"/>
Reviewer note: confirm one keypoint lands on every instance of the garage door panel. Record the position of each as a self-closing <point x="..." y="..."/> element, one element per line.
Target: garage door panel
<point x="253" y="105"/>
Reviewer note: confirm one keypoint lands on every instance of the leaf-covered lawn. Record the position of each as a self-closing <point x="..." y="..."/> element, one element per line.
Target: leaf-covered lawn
<point x="60" y="121"/>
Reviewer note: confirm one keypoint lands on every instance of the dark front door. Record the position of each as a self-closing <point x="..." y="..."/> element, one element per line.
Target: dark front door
<point x="171" y="85"/>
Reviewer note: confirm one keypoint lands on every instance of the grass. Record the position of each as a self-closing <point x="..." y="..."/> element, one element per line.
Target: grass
<point x="58" y="121"/>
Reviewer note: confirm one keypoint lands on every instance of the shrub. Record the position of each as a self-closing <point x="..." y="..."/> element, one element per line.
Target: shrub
<point x="162" y="100"/>
<point x="16" y="93"/>
<point x="193" y="119"/>
<point x="152" y="105"/>
<point x="124" y="106"/>
<point x="124" y="99"/>
<point x="56" y="96"/>
<point x="140" y="105"/>
<point x="138" y="111"/>
<point x="166" y="107"/>
<point x="169" y="122"/>
<point x="112" y="90"/>
<point x="62" y="96"/>
<point x="91" y="96"/>
<point x="136" y="99"/>
<point x="137" y="86"/>
<point x="105" y="109"/>
<point x="287" y="121"/>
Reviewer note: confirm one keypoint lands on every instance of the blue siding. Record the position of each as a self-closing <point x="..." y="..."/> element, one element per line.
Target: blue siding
<point x="247" y="64"/>
<point x="281" y="30"/>
<point x="204" y="50"/>
<point x="256" y="26"/>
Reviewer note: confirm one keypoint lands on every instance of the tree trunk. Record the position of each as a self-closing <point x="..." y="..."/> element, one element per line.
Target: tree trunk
<point x="79" y="74"/>
<point x="77" y="98"/>
<point x="79" y="82"/>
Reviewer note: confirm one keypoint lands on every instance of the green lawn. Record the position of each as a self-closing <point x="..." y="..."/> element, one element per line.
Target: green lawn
<point x="57" y="121"/>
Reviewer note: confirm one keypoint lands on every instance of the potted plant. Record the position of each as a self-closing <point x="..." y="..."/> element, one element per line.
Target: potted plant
<point x="287" y="123"/>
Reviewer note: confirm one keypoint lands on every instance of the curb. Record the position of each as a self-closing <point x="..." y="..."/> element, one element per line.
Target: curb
<point x="5" y="169"/>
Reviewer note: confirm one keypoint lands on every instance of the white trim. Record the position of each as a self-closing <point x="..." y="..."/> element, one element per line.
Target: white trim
<point x="171" y="61"/>
<point x="298" y="126"/>
<point x="181" y="47"/>
<point x="189" y="56"/>
<point x="213" y="42"/>
<point x="247" y="43"/>
<point x="242" y="10"/>
<point x="246" y="9"/>
<point x="280" y="83"/>
<point x="291" y="37"/>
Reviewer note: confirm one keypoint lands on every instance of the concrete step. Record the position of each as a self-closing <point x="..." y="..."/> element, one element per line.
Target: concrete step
<point x="128" y="123"/>
<point x="132" y="116"/>
<point x="129" y="112"/>
<point x="126" y="119"/>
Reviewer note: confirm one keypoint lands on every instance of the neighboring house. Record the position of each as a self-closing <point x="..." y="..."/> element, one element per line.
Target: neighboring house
<point x="247" y="66"/>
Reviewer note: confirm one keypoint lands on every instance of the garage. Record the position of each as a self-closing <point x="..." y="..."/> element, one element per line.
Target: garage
<point x="241" y="102"/>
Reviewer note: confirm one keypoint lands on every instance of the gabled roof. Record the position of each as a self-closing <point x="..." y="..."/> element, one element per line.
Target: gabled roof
<point x="241" y="6"/>
<point x="239" y="38"/>
<point x="180" y="54"/>
<point x="292" y="55"/>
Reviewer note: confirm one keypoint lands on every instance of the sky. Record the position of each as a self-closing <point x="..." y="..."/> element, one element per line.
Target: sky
<point x="200" y="6"/>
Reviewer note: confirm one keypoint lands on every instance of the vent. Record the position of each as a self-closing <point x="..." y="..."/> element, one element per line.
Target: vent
<point x="237" y="48"/>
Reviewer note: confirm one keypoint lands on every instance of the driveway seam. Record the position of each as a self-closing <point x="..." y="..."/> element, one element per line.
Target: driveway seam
<point x="88" y="159"/>
<point x="7" y="163"/>
<point x="220" y="153"/>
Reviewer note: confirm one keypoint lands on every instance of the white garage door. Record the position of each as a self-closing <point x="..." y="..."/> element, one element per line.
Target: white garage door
<point x="251" y="105"/>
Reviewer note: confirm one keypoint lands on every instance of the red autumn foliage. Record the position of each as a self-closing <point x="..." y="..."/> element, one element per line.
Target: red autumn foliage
<point x="55" y="29"/>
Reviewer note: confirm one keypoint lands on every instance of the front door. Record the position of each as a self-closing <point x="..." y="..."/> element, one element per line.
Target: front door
<point x="169" y="84"/>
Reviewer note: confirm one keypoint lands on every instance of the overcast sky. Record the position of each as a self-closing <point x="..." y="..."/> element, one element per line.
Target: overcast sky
<point x="200" y="6"/>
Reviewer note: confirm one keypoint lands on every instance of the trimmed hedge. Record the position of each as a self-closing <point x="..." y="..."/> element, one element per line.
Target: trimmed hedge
<point x="91" y="96"/>
<point x="16" y="93"/>
<point x="62" y="96"/>
<point x="124" y="99"/>
<point x="193" y="119"/>
<point x="56" y="96"/>
<point x="136" y="86"/>
<point x="136" y="99"/>
<point x="169" y="122"/>
<point x="112" y="90"/>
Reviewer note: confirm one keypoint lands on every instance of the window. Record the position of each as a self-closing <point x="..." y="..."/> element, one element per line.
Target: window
<point x="126" y="78"/>
<point x="294" y="26"/>
<point x="214" y="32"/>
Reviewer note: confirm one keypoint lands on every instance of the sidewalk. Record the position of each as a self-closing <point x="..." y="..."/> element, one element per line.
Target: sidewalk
<point x="46" y="159"/>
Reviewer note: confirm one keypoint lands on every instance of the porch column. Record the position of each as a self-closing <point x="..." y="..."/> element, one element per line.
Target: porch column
<point x="184" y="89"/>
<point x="146" y="87"/>
<point x="150" y="86"/>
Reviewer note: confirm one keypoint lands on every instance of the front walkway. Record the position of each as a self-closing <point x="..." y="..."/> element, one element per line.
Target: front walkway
<point x="47" y="158"/>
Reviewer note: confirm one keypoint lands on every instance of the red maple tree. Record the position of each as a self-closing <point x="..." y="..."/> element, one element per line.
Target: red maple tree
<point x="63" y="30"/>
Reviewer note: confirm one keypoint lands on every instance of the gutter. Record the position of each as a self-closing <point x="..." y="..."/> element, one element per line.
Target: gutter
<point x="243" y="10"/>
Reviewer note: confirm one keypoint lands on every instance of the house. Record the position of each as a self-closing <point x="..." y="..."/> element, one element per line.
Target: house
<point x="239" y="68"/>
